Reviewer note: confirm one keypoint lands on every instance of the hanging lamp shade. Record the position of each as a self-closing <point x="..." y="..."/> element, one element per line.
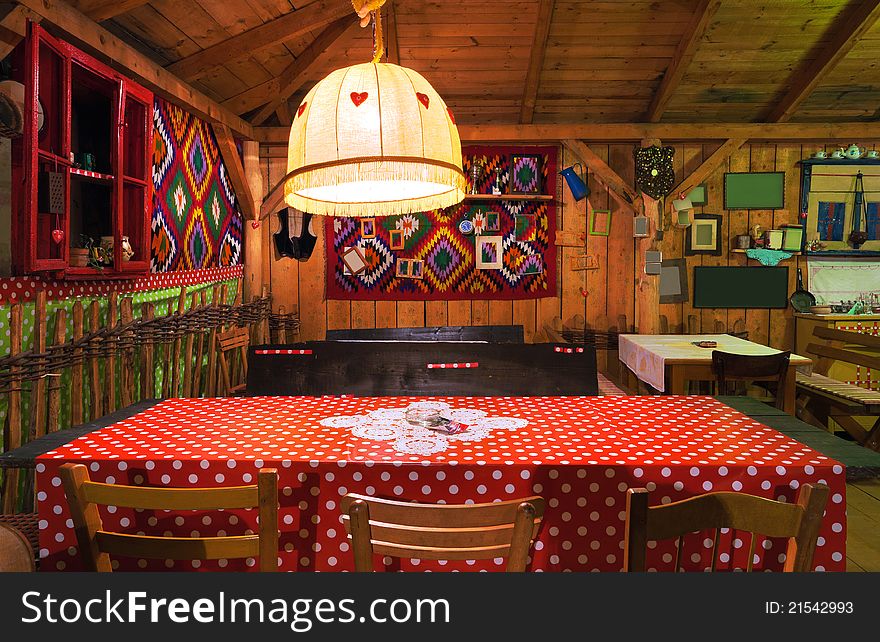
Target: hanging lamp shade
<point x="373" y="139"/>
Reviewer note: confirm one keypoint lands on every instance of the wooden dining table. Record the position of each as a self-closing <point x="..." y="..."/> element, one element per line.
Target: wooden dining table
<point x="667" y="362"/>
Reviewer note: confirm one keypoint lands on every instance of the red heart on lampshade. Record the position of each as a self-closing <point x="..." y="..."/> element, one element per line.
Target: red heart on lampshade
<point x="255" y="224"/>
<point x="359" y="98"/>
<point x="302" y="108"/>
<point x="423" y="98"/>
<point x="58" y="236"/>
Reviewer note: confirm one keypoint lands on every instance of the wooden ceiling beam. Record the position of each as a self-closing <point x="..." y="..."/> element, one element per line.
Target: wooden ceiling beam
<point x="536" y="60"/>
<point x="708" y="166"/>
<point x="681" y="60"/>
<point x="235" y="171"/>
<point x="618" y="188"/>
<point x="100" y="10"/>
<point x="313" y="16"/>
<point x="13" y="27"/>
<point x="292" y="78"/>
<point x="634" y="132"/>
<point x="122" y="56"/>
<point x="844" y="34"/>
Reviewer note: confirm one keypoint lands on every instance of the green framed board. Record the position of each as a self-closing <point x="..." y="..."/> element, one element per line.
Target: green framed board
<point x="746" y="287"/>
<point x="754" y="190"/>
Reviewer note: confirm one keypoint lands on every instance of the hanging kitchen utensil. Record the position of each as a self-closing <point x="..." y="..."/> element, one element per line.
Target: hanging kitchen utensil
<point x="801" y="300"/>
<point x="860" y="209"/>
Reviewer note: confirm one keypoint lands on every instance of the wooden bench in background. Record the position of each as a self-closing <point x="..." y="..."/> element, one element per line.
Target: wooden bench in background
<point x="821" y="398"/>
<point x="395" y="369"/>
<point x="487" y="333"/>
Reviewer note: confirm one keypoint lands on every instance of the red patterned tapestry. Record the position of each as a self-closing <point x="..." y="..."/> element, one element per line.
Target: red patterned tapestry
<point x="479" y="249"/>
<point x="196" y="223"/>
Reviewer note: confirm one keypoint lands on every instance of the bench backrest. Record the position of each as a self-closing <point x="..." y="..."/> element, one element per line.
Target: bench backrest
<point x="835" y="347"/>
<point x="419" y="368"/>
<point x="488" y="333"/>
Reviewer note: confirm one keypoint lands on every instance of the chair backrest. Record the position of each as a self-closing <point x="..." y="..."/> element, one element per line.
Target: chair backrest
<point x="741" y="367"/>
<point x="737" y="511"/>
<point x="441" y="531"/>
<point x="96" y="545"/>
<point x="16" y="554"/>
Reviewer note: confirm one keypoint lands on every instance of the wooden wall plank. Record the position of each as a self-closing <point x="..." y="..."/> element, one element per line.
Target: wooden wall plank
<point x="738" y="223"/>
<point x="459" y="313"/>
<point x="763" y="160"/>
<point x="436" y="314"/>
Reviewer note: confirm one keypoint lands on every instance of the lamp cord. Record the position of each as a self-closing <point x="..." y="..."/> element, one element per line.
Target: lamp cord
<point x="370" y="11"/>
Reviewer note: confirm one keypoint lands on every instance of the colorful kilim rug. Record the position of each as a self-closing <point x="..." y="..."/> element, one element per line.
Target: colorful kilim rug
<point x="431" y="245"/>
<point x="196" y="223"/>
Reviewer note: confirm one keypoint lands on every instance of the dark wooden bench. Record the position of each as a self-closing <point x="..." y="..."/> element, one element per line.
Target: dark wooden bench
<point x="487" y="333"/>
<point x="421" y="368"/>
<point x="821" y="397"/>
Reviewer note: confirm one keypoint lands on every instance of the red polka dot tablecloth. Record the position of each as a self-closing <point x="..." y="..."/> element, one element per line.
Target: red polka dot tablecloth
<point x="580" y="453"/>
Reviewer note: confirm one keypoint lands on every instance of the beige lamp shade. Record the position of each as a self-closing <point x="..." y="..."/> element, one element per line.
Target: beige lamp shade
<point x="373" y="139"/>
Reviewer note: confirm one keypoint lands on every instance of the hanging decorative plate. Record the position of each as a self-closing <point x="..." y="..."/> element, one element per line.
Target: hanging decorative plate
<point x="655" y="172"/>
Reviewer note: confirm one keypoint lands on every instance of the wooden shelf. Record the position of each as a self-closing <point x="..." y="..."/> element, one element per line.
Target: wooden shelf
<point x="94" y="176"/>
<point x="509" y="197"/>
<point x="744" y="251"/>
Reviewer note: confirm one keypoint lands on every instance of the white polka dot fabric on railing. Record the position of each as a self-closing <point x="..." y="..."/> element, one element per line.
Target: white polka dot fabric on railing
<point x="580" y="453"/>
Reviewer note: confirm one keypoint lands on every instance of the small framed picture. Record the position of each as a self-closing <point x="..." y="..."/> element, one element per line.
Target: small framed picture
<point x="699" y="196"/>
<point x="673" y="281"/>
<point x="489" y="251"/>
<point x="354" y="261"/>
<point x="368" y="228"/>
<point x="704" y="235"/>
<point x="416" y="269"/>
<point x="526" y="174"/>
<point x="600" y="223"/>
<point x="525" y="228"/>
<point x="793" y="238"/>
<point x="396" y="239"/>
<point x="493" y="222"/>
<point x="404" y="268"/>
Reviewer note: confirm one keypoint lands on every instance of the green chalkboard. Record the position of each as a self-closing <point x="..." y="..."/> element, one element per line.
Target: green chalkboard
<point x="744" y="287"/>
<point x="754" y="191"/>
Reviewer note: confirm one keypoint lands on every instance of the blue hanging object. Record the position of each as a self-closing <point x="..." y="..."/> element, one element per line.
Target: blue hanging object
<point x="576" y="183"/>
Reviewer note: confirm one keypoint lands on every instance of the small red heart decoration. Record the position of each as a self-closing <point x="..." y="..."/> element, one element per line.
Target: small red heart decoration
<point x="451" y="115"/>
<point x="359" y="98"/>
<point x="423" y="98"/>
<point x="58" y="236"/>
<point x="255" y="224"/>
<point x="302" y="108"/>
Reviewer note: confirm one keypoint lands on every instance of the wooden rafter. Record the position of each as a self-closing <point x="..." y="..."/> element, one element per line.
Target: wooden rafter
<point x="292" y="78"/>
<point x="536" y="60"/>
<point x="708" y="166"/>
<point x="681" y="60"/>
<point x="620" y="191"/>
<point x="235" y="171"/>
<point x="843" y="36"/>
<point x="100" y="10"/>
<point x="313" y="16"/>
<point x="124" y="57"/>
<point x="13" y="26"/>
<point x="632" y="132"/>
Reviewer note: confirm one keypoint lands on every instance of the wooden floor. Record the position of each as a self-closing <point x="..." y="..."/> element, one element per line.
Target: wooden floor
<point x="863" y="526"/>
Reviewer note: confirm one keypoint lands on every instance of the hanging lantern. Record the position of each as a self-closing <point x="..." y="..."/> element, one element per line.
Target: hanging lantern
<point x="373" y="139"/>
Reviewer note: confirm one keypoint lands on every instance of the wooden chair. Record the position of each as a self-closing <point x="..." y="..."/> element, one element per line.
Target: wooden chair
<point x="441" y="531"/>
<point x="16" y="554"/>
<point x="96" y="544"/>
<point x="737" y="511"/>
<point x="740" y="367"/>
<point x="227" y="343"/>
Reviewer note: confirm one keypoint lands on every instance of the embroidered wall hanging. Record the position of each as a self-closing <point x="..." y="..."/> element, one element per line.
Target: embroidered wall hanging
<point x="196" y="223"/>
<point x="439" y="249"/>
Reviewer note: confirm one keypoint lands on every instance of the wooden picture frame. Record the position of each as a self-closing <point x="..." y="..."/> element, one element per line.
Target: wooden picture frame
<point x="600" y="223"/>
<point x="673" y="287"/>
<point x="368" y="228"/>
<point x="754" y="190"/>
<point x="396" y="240"/>
<point x="404" y="268"/>
<point x="489" y="252"/>
<point x="698" y="196"/>
<point x="526" y="174"/>
<point x="354" y="260"/>
<point x="704" y="235"/>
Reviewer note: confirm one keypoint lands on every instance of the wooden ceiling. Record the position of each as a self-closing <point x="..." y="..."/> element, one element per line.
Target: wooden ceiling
<point x="540" y="61"/>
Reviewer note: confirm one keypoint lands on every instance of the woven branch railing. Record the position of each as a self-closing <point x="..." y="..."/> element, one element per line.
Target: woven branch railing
<point x="114" y="360"/>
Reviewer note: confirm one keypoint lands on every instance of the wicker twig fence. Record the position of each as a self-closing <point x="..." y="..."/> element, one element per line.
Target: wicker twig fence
<point x="114" y="362"/>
